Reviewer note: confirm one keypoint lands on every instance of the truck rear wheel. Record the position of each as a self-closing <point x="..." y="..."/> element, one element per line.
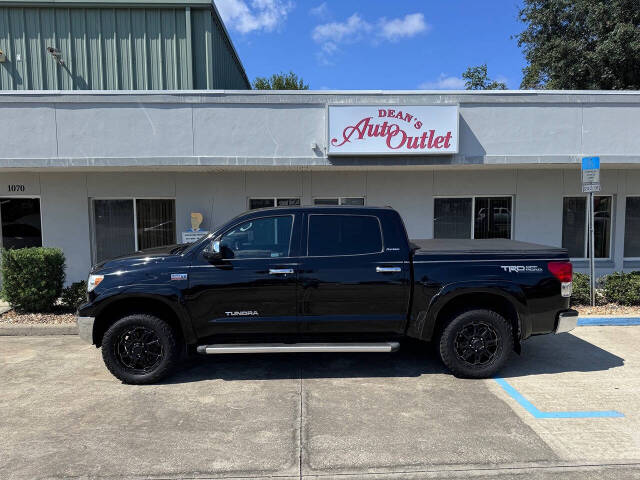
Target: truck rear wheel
<point x="140" y="349"/>
<point x="476" y="343"/>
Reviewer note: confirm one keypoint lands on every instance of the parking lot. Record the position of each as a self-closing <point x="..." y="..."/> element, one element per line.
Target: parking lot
<point x="570" y="404"/>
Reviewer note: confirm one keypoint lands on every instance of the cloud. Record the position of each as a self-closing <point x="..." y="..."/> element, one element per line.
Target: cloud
<point x="256" y="15"/>
<point x="321" y="10"/>
<point x="398" y="28"/>
<point x="444" y="82"/>
<point x="331" y="36"/>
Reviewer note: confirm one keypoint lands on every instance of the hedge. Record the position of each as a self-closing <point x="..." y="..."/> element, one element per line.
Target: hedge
<point x="32" y="278"/>
<point x="622" y="288"/>
<point x="581" y="294"/>
<point x="74" y="295"/>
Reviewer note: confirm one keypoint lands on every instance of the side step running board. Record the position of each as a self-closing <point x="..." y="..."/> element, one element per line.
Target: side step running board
<point x="380" y="347"/>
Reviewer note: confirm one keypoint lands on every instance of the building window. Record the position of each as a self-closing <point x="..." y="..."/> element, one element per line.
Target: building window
<point x="20" y="222"/>
<point x="272" y="202"/>
<point x="575" y="237"/>
<point x="339" y="201"/>
<point x="121" y="226"/>
<point x="472" y="217"/>
<point x="632" y="228"/>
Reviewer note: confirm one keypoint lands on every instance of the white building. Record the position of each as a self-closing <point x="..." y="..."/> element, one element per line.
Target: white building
<point x="102" y="173"/>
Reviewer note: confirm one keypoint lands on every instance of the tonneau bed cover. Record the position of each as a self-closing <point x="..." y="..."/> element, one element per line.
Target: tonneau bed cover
<point x="484" y="246"/>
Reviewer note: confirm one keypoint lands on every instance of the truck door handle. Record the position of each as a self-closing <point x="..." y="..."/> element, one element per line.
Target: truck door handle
<point x="280" y="271"/>
<point x="388" y="269"/>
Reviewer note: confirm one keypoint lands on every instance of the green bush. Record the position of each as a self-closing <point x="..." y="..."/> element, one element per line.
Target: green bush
<point x="622" y="288"/>
<point x="32" y="278"/>
<point x="74" y="295"/>
<point x="581" y="294"/>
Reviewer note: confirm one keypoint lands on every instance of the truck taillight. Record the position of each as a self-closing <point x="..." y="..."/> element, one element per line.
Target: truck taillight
<point x="563" y="271"/>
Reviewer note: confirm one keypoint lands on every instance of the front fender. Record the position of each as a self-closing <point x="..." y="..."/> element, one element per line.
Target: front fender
<point x="169" y="296"/>
<point x="511" y="292"/>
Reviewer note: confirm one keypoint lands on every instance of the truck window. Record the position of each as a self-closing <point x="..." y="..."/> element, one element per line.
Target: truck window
<point x="331" y="235"/>
<point x="268" y="237"/>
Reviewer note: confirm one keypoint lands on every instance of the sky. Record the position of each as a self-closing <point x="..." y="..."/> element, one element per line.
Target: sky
<point x="376" y="44"/>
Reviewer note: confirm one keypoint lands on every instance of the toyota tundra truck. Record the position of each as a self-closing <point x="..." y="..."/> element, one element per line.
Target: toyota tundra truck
<point x="324" y="279"/>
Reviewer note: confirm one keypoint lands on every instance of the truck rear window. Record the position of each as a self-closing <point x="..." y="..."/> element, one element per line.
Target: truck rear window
<point x="343" y="235"/>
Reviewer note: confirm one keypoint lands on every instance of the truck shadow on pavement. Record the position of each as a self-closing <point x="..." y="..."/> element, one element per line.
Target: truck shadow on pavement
<point x="559" y="353"/>
<point x="540" y="355"/>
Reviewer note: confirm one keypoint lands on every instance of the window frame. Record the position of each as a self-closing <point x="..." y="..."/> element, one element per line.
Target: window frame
<point x="92" y="226"/>
<point x="473" y="210"/>
<point x="275" y="201"/>
<point x="625" y="228"/>
<point x="30" y="197"/>
<point x="231" y="227"/>
<point x="345" y="254"/>
<point x="340" y="199"/>
<point x="586" y="227"/>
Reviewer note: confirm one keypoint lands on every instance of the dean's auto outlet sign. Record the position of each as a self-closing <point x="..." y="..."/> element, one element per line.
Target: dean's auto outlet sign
<point x="393" y="130"/>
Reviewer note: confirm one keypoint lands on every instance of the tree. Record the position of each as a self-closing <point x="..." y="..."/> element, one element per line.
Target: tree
<point x="476" y="78"/>
<point x="581" y="44"/>
<point x="280" y="81"/>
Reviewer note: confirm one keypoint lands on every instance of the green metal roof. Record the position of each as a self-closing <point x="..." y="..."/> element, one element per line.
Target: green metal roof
<point x="117" y="45"/>
<point x="105" y="3"/>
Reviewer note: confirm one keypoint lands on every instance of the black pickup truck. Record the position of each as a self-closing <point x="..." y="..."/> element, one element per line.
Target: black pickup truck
<point x="324" y="279"/>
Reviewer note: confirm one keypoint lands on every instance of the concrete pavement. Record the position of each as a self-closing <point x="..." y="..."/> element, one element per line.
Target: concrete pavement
<point x="328" y="415"/>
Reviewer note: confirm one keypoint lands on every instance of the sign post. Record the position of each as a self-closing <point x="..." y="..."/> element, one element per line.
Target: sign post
<point x="590" y="184"/>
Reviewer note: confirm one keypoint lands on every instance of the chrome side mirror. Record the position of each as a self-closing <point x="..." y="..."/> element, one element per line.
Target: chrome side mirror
<point x="212" y="252"/>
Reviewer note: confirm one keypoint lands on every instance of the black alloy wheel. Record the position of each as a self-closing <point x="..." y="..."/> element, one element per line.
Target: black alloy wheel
<point x="476" y="343"/>
<point x="140" y="349"/>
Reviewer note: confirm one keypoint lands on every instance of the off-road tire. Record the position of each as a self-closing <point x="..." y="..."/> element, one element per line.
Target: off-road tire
<point x="499" y="326"/>
<point x="170" y="353"/>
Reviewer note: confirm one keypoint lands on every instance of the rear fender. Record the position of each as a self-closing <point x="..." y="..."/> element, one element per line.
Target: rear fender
<point x="510" y="292"/>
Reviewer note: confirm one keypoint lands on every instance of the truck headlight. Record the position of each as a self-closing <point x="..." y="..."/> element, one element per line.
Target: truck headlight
<point x="94" y="281"/>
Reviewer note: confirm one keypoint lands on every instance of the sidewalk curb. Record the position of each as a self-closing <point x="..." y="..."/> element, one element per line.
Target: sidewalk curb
<point x="72" y="329"/>
<point x="37" y="330"/>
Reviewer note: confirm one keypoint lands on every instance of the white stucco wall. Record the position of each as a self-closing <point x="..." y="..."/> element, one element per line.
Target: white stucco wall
<point x="212" y="151"/>
<point x="538" y="195"/>
<point x="146" y="129"/>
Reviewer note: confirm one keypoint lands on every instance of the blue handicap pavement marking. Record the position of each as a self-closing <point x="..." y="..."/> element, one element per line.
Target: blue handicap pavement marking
<point x="531" y="408"/>
<point x="604" y="321"/>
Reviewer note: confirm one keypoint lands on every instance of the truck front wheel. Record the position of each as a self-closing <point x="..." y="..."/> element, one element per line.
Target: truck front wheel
<point x="476" y="343"/>
<point x="140" y="349"/>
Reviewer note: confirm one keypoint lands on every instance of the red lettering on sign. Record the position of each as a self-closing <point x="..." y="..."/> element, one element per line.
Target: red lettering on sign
<point x="447" y="140"/>
<point x="394" y="136"/>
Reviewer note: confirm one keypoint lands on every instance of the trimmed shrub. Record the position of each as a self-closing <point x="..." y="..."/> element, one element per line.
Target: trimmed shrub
<point x="74" y="295"/>
<point x="622" y="288"/>
<point x="32" y="278"/>
<point x="581" y="294"/>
